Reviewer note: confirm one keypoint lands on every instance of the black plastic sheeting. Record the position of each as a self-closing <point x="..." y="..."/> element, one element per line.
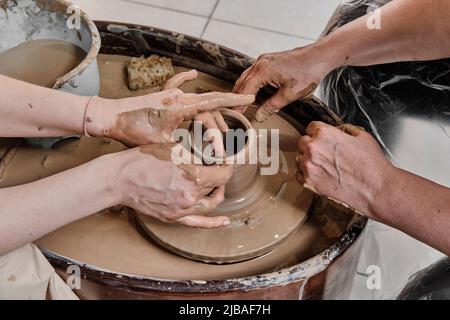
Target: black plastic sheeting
<point x="406" y="106"/>
<point x="432" y="283"/>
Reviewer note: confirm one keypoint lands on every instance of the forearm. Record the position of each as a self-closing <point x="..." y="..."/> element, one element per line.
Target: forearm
<point x="411" y="30"/>
<point x="27" y="110"/>
<point x="30" y="211"/>
<point x="415" y="206"/>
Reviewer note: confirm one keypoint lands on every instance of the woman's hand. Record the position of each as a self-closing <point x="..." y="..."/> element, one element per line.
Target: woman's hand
<point x="153" y="118"/>
<point x="149" y="182"/>
<point x="345" y="164"/>
<point x="295" y="73"/>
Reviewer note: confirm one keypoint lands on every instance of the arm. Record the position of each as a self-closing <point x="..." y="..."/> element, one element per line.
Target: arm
<point x="416" y="206"/>
<point x="30" y="211"/>
<point x="27" y="110"/>
<point x="352" y="168"/>
<point x="144" y="179"/>
<point x="410" y="30"/>
<point x="33" y="111"/>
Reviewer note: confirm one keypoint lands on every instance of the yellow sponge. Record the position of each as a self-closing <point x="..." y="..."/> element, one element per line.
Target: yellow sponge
<point x="149" y="72"/>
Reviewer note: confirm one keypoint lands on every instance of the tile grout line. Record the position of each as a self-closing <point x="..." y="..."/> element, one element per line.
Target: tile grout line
<point x="209" y="18"/>
<point x="263" y="29"/>
<point x="165" y="8"/>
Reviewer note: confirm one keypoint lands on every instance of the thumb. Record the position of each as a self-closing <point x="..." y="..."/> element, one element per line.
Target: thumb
<point x="352" y="129"/>
<point x="273" y="105"/>
<point x="196" y="221"/>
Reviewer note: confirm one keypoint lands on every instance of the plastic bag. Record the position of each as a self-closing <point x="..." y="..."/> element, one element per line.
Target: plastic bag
<point x="406" y="106"/>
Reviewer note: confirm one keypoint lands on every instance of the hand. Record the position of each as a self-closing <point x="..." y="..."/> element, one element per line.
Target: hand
<point x="295" y="73"/>
<point x="344" y="164"/>
<point x="153" y="118"/>
<point x="152" y="184"/>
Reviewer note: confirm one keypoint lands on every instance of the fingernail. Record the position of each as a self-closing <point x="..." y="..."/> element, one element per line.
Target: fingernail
<point x="226" y="223"/>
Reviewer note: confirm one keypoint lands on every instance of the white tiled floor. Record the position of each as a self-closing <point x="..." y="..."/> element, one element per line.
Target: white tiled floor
<point x="252" y="42"/>
<point x="303" y="18"/>
<point x="250" y="26"/>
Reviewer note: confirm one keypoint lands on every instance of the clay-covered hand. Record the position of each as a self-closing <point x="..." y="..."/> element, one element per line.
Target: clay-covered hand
<point x="149" y="182"/>
<point x="345" y="164"/>
<point x="153" y="118"/>
<point x="295" y="73"/>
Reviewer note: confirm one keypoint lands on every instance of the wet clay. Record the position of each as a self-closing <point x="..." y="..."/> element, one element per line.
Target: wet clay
<point x="40" y="62"/>
<point x="262" y="215"/>
<point x="112" y="240"/>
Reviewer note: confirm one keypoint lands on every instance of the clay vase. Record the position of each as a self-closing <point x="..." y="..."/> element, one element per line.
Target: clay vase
<point x="243" y="159"/>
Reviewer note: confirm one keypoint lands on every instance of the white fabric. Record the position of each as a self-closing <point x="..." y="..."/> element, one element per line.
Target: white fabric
<point x="397" y="255"/>
<point x="25" y="274"/>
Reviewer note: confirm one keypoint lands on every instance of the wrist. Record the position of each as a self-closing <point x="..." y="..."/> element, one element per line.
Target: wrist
<point x="326" y="55"/>
<point x="100" y="117"/>
<point x="380" y="200"/>
<point x="111" y="169"/>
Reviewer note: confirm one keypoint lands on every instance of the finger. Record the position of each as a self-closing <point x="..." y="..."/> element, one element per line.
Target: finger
<point x="210" y="200"/>
<point x="213" y="133"/>
<point x="253" y="82"/>
<point x="177" y="80"/>
<point x="278" y="101"/>
<point x="212" y="120"/>
<point x="241" y="109"/>
<point x="220" y="121"/>
<point x="214" y="176"/>
<point x="214" y="100"/>
<point x="299" y="160"/>
<point x="314" y="126"/>
<point x="238" y="85"/>
<point x="204" y="192"/>
<point x="352" y="129"/>
<point x="205" y="222"/>
<point x="159" y="211"/>
<point x="299" y="176"/>
<point x="303" y="143"/>
<point x="209" y="203"/>
<point x="209" y="102"/>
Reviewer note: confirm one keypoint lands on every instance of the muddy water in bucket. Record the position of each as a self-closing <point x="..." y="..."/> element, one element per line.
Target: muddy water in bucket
<point x="27" y="27"/>
<point x="113" y="240"/>
<point x="41" y="62"/>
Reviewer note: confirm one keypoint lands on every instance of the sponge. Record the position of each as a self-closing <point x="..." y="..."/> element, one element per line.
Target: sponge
<point x="149" y="72"/>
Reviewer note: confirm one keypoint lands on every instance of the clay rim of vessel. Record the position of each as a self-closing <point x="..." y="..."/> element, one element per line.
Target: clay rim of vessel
<point x="241" y="156"/>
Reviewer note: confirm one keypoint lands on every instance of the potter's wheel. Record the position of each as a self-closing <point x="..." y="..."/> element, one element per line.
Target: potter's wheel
<point x="264" y="210"/>
<point x="111" y="240"/>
